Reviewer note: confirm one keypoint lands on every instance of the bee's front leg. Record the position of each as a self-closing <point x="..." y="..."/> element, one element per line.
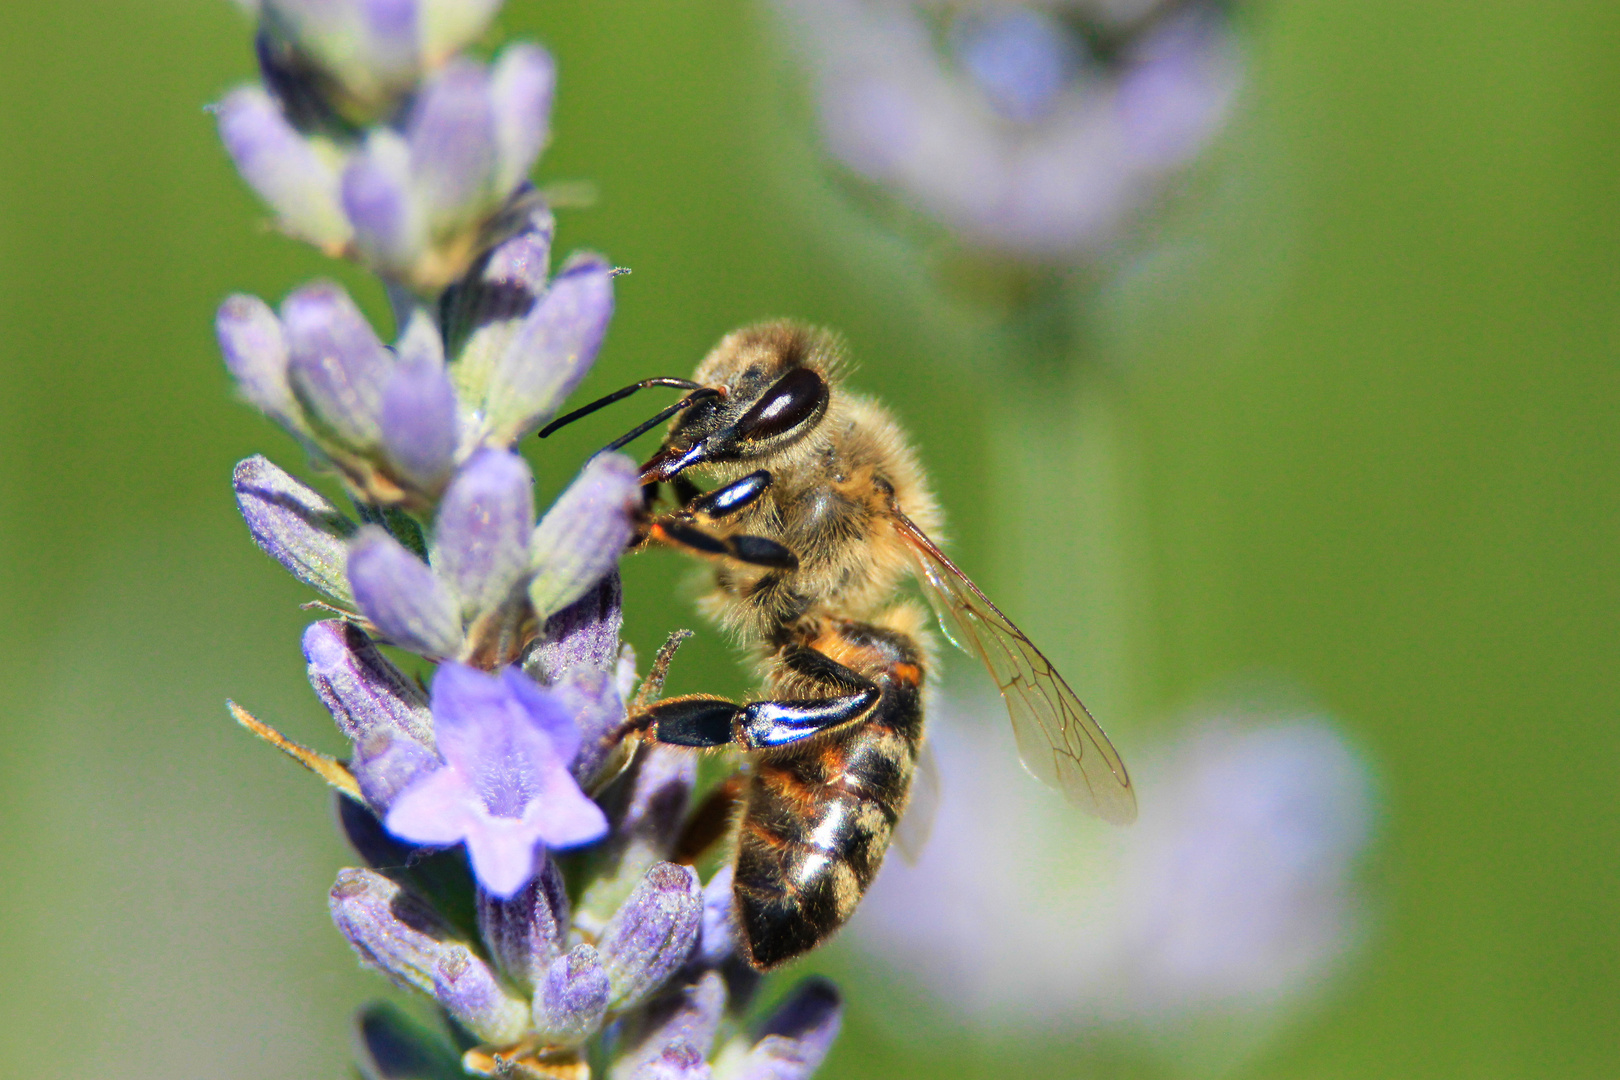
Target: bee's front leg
<point x="684" y="528"/>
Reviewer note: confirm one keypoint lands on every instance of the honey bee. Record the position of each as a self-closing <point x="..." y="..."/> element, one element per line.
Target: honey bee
<point x="820" y="509"/>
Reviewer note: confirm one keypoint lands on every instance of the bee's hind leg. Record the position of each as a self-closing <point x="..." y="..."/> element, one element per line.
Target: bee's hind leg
<point x="704" y="722"/>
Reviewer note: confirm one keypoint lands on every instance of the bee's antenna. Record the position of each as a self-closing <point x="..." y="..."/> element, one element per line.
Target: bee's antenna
<point x="702" y="393"/>
<point x="617" y="395"/>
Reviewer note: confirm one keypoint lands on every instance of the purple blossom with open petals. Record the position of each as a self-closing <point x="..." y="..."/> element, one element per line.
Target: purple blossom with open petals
<point x="505" y="788"/>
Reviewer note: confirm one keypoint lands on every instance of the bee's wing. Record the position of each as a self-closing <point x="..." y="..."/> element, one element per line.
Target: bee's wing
<point x="916" y="825"/>
<point x="1057" y="738"/>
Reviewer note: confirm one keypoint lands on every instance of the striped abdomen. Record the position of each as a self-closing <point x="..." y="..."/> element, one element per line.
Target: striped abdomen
<point x="818" y="819"/>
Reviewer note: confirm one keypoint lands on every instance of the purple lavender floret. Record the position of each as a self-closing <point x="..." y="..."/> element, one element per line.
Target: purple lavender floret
<point x="528" y="931"/>
<point x="653" y="933"/>
<point x="296" y="526"/>
<point x="408" y="941"/>
<point x="505" y="789"/>
<point x="571" y="1001"/>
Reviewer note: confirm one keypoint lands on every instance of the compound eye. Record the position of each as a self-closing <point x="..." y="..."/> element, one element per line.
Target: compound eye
<point x="795" y="398"/>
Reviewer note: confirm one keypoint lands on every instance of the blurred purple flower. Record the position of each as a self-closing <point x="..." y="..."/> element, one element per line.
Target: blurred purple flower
<point x="505" y="787"/>
<point x="1233" y="890"/>
<point x="1016" y="134"/>
<point x="375" y="49"/>
<point x="416" y="202"/>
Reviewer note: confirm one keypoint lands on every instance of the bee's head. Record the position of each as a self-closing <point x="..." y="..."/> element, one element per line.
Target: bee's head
<point x="772" y="393"/>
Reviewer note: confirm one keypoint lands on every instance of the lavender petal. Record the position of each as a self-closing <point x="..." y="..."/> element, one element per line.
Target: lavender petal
<point x="505" y="789"/>
<point x="401" y="596"/>
<point x="337" y="366"/>
<point x="482" y="531"/>
<point x="552" y="351"/>
<point x="282" y="167"/>
<point x="294" y="525"/>
<point x="652" y="934"/>
<point x="583" y="534"/>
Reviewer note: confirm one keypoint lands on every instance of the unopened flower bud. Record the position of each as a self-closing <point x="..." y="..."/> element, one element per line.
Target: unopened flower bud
<point x="580" y="539"/>
<point x="411" y="944"/>
<point x="482" y="531"/>
<point x="293" y="524"/>
<point x="364" y="692"/>
<point x="673" y="1036"/>
<point x="284" y="168"/>
<point x="572" y="997"/>
<point x="797" y="1036"/>
<point x="484" y="311"/>
<point x="337" y="365"/>
<point x="419" y="423"/>
<point x="525" y="933"/>
<point x="552" y="350"/>
<point x="652" y="934"/>
<point x="256" y="354"/>
<point x="402" y="596"/>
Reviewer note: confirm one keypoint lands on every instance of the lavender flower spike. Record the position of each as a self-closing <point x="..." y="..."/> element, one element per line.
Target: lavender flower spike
<point x="582" y="536"/>
<point x="505" y="788"/>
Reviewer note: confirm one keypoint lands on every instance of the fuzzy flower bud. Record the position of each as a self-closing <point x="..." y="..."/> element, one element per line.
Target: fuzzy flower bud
<point x="651" y="936"/>
<point x="407" y="941"/>
<point x="293" y="524"/>
<point x="526" y="932"/>
<point x="583" y="534"/>
<point x="572" y="998"/>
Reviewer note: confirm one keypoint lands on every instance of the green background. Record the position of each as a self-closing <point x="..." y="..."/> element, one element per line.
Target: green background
<point x="1365" y="406"/>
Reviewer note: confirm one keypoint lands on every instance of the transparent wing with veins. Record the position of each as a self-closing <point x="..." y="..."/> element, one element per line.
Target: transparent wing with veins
<point x="1058" y="740"/>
